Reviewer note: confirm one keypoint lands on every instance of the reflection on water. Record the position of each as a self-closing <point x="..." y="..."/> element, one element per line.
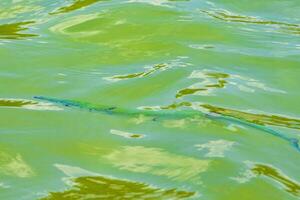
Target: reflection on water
<point x="101" y="187"/>
<point x="272" y="173"/>
<point x="3" y="186"/>
<point x="262" y="119"/>
<point x="176" y="105"/>
<point x="216" y="148"/>
<point x="12" y="31"/>
<point x="139" y="74"/>
<point x="176" y="123"/>
<point x="78" y="4"/>
<point x="125" y="36"/>
<point x="14" y="165"/>
<point x="227" y="16"/>
<point x="17" y="9"/>
<point x="126" y="134"/>
<point x="157" y="162"/>
<point x="212" y="80"/>
<point x="257" y="170"/>
<point x="27" y="104"/>
<point x="231" y="17"/>
<point x="15" y="102"/>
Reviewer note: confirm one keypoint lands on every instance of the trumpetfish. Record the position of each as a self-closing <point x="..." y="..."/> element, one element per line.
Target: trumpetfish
<point x="158" y="115"/>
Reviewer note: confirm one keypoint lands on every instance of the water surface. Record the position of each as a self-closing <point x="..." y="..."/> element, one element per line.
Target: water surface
<point x="149" y="99"/>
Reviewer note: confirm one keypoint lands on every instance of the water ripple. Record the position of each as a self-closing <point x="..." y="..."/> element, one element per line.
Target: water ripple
<point x="12" y="31"/>
<point x="102" y="187"/>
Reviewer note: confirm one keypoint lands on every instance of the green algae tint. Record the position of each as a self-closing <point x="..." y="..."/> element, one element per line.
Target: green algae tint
<point x="142" y="99"/>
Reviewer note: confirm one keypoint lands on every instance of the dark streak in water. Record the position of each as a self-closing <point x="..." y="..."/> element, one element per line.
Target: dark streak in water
<point x="228" y="17"/>
<point x="261" y="119"/>
<point x="11" y="31"/>
<point x="141" y="74"/>
<point x="100" y="187"/>
<point x="14" y="103"/>
<point x="265" y="170"/>
<point x="220" y="82"/>
<point x="176" y="105"/>
<point x="78" y="4"/>
<point x="188" y="91"/>
<point x="246" y="19"/>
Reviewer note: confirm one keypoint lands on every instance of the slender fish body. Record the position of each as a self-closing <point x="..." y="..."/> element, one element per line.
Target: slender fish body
<point x="157" y="115"/>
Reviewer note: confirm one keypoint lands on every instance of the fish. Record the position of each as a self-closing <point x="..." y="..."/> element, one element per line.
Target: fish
<point x="156" y="116"/>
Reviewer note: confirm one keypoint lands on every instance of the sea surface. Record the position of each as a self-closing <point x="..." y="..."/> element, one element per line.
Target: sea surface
<point x="149" y="99"/>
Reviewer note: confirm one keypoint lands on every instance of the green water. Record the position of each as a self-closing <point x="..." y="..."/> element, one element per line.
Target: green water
<point x="146" y="99"/>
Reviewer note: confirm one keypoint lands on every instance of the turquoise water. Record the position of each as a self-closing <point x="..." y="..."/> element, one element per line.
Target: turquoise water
<point x="149" y="99"/>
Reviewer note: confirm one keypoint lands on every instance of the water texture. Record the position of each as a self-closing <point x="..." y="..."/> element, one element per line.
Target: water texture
<point x="149" y="99"/>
